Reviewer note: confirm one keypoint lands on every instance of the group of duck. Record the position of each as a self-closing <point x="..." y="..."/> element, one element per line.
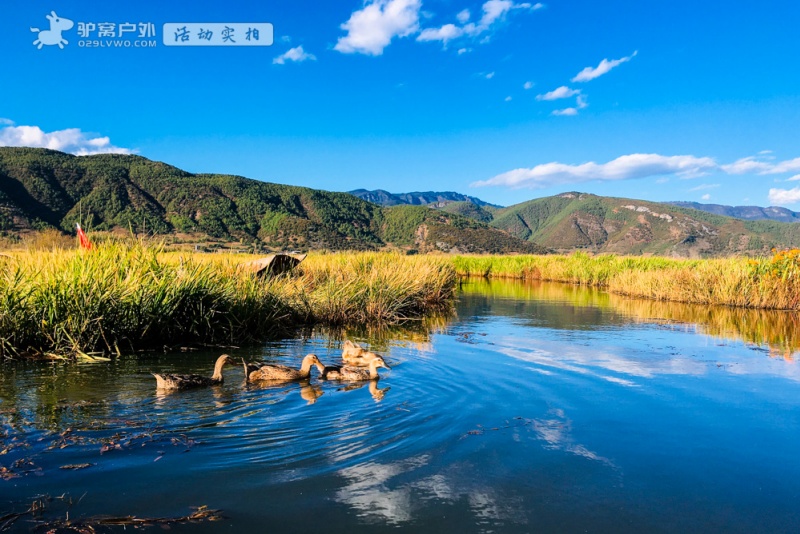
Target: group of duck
<point x="359" y="365"/>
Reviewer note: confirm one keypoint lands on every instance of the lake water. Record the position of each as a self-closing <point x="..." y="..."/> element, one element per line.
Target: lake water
<point x="536" y="408"/>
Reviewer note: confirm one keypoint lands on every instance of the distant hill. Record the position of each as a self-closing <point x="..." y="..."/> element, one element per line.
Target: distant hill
<point x="581" y="221"/>
<point x="416" y="198"/>
<point x="749" y="213"/>
<point x="42" y="188"/>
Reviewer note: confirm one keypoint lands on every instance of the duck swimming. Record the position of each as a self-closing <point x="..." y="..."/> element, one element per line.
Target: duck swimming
<point x="352" y="373"/>
<point x="354" y="354"/>
<point x="255" y="373"/>
<point x="168" y="381"/>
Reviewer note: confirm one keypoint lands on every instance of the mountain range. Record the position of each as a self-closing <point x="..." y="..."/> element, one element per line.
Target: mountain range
<point x="453" y="202"/>
<point x="416" y="198"/>
<point x="42" y="188"/>
<point x="748" y="213"/>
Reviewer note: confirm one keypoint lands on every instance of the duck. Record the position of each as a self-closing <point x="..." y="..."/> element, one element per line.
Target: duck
<point x="255" y="373"/>
<point x="356" y="355"/>
<point x="352" y="373"/>
<point x="169" y="381"/>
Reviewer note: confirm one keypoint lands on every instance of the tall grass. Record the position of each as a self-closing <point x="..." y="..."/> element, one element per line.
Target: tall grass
<point x="119" y="297"/>
<point x="769" y="283"/>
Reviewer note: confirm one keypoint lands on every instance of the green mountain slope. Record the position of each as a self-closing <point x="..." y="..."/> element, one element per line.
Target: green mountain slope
<point x="572" y="221"/>
<point x="42" y="188"/>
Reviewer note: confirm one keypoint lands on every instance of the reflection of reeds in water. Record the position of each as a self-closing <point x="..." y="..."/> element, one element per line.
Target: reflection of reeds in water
<point x="779" y="330"/>
<point x="536" y="290"/>
<point x="380" y="337"/>
<point x="768" y="283"/>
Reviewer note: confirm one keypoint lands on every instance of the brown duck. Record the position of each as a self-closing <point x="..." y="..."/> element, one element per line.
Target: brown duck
<point x="255" y="373"/>
<point x="352" y="373"/>
<point x="354" y="354"/>
<point x="168" y="381"/>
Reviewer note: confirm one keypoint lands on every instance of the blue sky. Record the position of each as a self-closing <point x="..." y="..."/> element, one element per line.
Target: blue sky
<point x="499" y="99"/>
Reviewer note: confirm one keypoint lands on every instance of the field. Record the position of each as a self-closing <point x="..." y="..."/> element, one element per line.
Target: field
<point x="122" y="297"/>
<point x="128" y="296"/>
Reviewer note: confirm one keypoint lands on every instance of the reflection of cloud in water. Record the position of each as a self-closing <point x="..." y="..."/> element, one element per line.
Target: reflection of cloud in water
<point x="559" y="355"/>
<point x="369" y="490"/>
<point x="557" y="433"/>
<point x="590" y="361"/>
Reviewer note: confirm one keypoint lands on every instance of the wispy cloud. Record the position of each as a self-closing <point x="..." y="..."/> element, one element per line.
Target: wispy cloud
<point x="590" y="73"/>
<point x="566" y="112"/>
<point x="561" y="92"/>
<point x="756" y="165"/>
<point x="445" y="34"/>
<point x="703" y="187"/>
<point x="784" y="197"/>
<point x="371" y="29"/>
<point x="706" y="197"/>
<point x="6" y="122"/>
<point x="632" y="166"/>
<point x="493" y="11"/>
<point x="71" y="140"/>
<point x="795" y="178"/>
<point x="580" y="103"/>
<point x="490" y="75"/>
<point x="296" y="54"/>
<point x="464" y="50"/>
<point x="528" y="85"/>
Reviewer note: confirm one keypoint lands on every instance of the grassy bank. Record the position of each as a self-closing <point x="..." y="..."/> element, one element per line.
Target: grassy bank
<point x="768" y="283"/>
<point x="122" y="297"/>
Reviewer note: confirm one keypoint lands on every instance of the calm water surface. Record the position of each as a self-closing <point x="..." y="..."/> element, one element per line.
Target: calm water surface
<point x="537" y="408"/>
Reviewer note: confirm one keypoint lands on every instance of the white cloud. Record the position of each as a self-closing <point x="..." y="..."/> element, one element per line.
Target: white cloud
<point x="528" y="85"/>
<point x="561" y="92"/>
<point x="296" y="54"/>
<point x="794" y="178"/>
<point x="490" y="75"/>
<point x="706" y="197"/>
<point x="603" y="67"/>
<point x="444" y="34"/>
<point x="580" y="103"/>
<point x="371" y="29"/>
<point x="747" y="165"/>
<point x="629" y="167"/>
<point x="71" y="140"/>
<point x="703" y="187"/>
<point x="537" y="6"/>
<point x="464" y="50"/>
<point x="782" y="197"/>
<point x="493" y="11"/>
<point x="566" y="112"/>
<point x="754" y="165"/>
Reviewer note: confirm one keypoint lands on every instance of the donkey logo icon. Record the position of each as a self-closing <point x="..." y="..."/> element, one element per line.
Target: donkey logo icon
<point x="53" y="35"/>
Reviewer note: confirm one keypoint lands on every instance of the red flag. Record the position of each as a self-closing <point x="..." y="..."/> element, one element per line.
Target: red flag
<point x="85" y="243"/>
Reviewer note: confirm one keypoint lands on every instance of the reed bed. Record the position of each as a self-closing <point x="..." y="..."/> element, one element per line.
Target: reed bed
<point x="577" y="268"/>
<point x="767" y="283"/>
<point x="123" y="297"/>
